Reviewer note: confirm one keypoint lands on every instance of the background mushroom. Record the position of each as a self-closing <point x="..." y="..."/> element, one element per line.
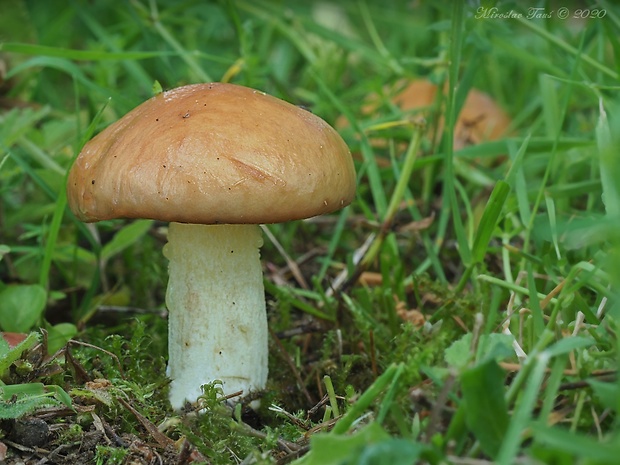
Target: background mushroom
<point x="216" y="160"/>
<point x="479" y="120"/>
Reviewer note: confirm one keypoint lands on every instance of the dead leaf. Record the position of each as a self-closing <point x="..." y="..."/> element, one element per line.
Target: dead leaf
<point x="14" y="339"/>
<point x="98" y="383"/>
<point x="157" y="435"/>
<point x="370" y="278"/>
<point x="419" y="225"/>
<point x="413" y="315"/>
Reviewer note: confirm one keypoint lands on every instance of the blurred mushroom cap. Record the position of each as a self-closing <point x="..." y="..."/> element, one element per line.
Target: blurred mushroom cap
<point x="480" y="118"/>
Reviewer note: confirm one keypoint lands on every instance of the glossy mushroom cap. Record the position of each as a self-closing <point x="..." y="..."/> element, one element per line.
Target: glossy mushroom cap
<point x="213" y="153"/>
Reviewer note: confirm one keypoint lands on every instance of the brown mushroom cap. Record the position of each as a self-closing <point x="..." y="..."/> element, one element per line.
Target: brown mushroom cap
<point x="213" y="153"/>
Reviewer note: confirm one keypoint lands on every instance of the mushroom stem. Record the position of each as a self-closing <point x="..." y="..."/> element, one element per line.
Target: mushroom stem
<point x="216" y="302"/>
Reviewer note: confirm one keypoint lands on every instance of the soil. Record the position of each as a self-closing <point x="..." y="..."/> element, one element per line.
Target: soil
<point x="84" y="433"/>
<point x="32" y="441"/>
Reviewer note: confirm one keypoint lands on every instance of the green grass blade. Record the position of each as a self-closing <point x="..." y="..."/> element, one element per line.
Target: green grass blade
<point x="52" y="237"/>
<point x="558" y="42"/>
<point x="486" y="413"/>
<point x="485" y="230"/>
<point x="538" y="315"/>
<point x="376" y="39"/>
<point x="71" y="69"/>
<point x="490" y="217"/>
<point x="370" y="168"/>
<point x="25" y="166"/>
<point x="451" y="205"/>
<point x="609" y="166"/>
<point x="124" y="238"/>
<point x="552" y="387"/>
<point x="12" y="354"/>
<point x="586" y="447"/>
<point x="72" y="54"/>
<point x="522" y="413"/>
<point x="135" y="69"/>
<point x="389" y="376"/>
<point x="550" y="204"/>
<point x="334" y="242"/>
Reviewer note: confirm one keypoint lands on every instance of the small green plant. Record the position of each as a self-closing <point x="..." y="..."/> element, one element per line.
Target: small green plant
<point x="18" y="400"/>
<point x="21" y="306"/>
<point x="108" y="455"/>
<point x="9" y="355"/>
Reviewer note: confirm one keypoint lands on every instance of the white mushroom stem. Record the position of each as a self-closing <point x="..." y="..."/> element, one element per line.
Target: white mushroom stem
<point x="216" y="303"/>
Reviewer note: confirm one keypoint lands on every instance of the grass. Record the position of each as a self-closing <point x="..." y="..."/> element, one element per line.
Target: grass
<point x="462" y="310"/>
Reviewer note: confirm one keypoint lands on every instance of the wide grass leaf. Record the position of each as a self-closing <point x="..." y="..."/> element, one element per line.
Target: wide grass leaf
<point x="494" y="346"/>
<point x="486" y="413"/>
<point x="578" y="445"/>
<point x="606" y="393"/>
<point x="394" y="451"/>
<point x="8" y="354"/>
<point x="21" y="306"/>
<point x="609" y="166"/>
<point x="25" y="405"/>
<point x="330" y="449"/>
<point x="369" y="446"/>
<point x="72" y="54"/>
<point x="489" y="219"/>
<point x="125" y="237"/>
<point x="19" y="400"/>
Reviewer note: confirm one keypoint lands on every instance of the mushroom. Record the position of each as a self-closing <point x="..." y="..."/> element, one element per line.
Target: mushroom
<point x="480" y="118"/>
<point x="215" y="160"/>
